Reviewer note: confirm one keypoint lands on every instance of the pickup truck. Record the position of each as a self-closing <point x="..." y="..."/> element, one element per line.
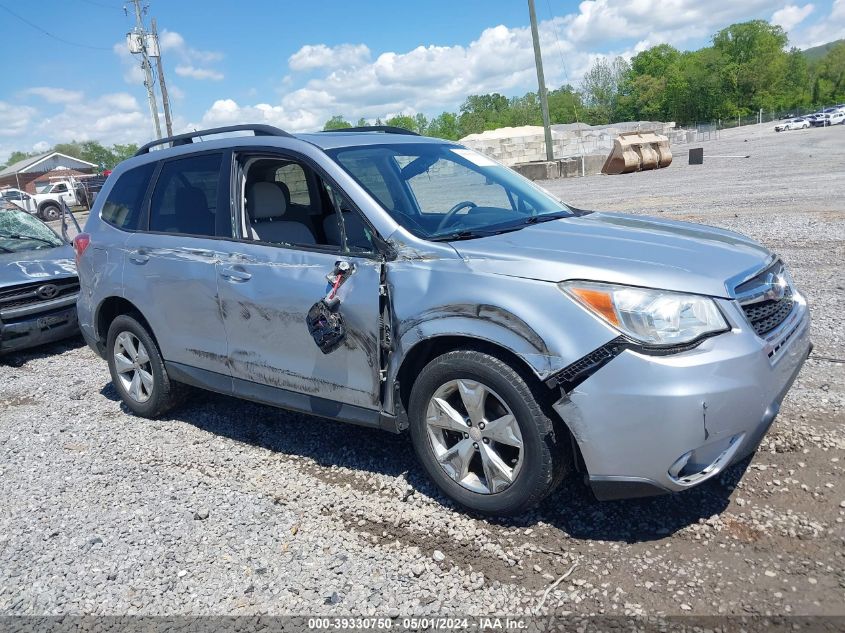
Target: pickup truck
<point x="47" y="203"/>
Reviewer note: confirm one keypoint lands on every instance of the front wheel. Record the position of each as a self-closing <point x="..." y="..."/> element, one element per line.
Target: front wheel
<point x="481" y="435"/>
<point x="137" y="369"/>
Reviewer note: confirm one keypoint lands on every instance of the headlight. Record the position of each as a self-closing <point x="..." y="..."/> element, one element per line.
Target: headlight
<point x="652" y="317"/>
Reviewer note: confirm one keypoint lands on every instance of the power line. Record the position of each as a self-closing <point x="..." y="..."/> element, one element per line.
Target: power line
<point x="47" y="33"/>
<point x="560" y="52"/>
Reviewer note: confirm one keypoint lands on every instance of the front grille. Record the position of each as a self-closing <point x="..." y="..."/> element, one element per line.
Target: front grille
<point x="764" y="311"/>
<point x="765" y="316"/>
<point x="27" y="295"/>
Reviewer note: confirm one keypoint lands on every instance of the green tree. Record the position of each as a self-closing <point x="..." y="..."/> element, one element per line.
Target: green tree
<point x="755" y="63"/>
<point x="601" y="87"/>
<point x="403" y="121"/>
<point x="565" y="105"/>
<point x="830" y="73"/>
<point x="445" y="126"/>
<point x="483" y="112"/>
<point x="122" y="152"/>
<point x="421" y="123"/>
<point x="337" y="122"/>
<point x="362" y="122"/>
<point x="16" y="156"/>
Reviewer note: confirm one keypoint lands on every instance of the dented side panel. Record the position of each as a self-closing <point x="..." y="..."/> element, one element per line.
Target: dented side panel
<point x="267" y="327"/>
<point x="173" y="281"/>
<point x="444" y="296"/>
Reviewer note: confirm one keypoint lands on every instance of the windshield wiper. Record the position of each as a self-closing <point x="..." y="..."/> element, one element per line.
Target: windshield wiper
<point x="471" y="235"/>
<point x="459" y="235"/>
<point x="547" y="217"/>
<point x="17" y="236"/>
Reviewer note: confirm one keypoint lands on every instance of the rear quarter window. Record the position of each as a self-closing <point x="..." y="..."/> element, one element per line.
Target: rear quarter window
<point x="122" y="208"/>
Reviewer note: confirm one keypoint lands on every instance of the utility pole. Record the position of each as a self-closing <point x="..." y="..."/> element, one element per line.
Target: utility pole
<point x="165" y="102"/>
<point x="138" y="45"/>
<point x="544" y="97"/>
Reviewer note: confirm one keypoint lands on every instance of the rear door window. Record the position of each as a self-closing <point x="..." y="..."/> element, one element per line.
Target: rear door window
<point x="123" y="205"/>
<point x="185" y="197"/>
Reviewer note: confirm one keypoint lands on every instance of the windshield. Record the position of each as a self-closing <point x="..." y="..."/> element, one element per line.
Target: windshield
<point x="440" y="191"/>
<point x="19" y="231"/>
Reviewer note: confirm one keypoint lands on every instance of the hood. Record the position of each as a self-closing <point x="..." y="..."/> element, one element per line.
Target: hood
<point x="620" y="248"/>
<point x="38" y="265"/>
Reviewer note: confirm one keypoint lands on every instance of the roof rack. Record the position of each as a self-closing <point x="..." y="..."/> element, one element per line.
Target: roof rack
<point x="188" y="138"/>
<point x="386" y="129"/>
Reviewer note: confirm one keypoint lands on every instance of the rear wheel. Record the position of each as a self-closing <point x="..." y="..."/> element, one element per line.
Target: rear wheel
<point x="50" y="212"/>
<point x="137" y="369"/>
<point x="482" y="437"/>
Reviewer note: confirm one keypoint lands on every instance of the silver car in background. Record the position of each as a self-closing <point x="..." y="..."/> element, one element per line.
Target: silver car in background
<point x="381" y="278"/>
<point x="38" y="283"/>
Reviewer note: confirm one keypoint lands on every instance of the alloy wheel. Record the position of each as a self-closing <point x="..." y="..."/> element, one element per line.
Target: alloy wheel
<point x="474" y="435"/>
<point x="133" y="368"/>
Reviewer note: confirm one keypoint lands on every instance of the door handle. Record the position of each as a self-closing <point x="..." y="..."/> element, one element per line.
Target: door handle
<point x="235" y="275"/>
<point x="139" y="256"/>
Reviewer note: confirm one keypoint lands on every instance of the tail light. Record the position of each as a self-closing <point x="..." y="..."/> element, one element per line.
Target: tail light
<point x="80" y="243"/>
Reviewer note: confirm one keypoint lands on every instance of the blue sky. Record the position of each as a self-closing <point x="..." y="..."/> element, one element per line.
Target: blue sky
<point x="295" y="64"/>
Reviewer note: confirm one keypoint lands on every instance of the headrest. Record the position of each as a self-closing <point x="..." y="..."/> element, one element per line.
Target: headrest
<point x="265" y="200"/>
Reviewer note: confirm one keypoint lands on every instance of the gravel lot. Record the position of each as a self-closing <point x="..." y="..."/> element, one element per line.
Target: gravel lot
<point x="227" y="507"/>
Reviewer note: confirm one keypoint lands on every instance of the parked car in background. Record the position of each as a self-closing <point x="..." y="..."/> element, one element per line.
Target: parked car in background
<point x="820" y="119"/>
<point x="38" y="282"/>
<point x="395" y="281"/>
<point x="47" y="203"/>
<point x="793" y="124"/>
<point x="836" y="118"/>
<point x="22" y="199"/>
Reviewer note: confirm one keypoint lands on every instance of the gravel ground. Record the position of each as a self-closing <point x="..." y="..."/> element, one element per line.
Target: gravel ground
<point x="227" y="507"/>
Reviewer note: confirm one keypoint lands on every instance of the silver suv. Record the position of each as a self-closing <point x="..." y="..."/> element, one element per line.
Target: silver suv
<point x="377" y="277"/>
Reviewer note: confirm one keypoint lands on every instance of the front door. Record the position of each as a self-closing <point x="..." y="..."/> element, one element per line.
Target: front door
<point x="265" y="296"/>
<point x="292" y="243"/>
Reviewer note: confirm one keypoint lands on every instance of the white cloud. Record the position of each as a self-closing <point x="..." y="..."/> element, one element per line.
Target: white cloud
<point x="425" y="79"/>
<point x="434" y="78"/>
<point x="198" y="73"/>
<point x="198" y="61"/>
<point x="132" y="73"/>
<point x="673" y="21"/>
<point x="119" y="101"/>
<point x="791" y="15"/>
<point x="310" y="56"/>
<point x="41" y="146"/>
<point x="55" y="95"/>
<point x="14" y="119"/>
<point x="827" y="29"/>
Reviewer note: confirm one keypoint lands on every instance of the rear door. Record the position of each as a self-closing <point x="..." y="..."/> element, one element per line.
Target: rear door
<point x="270" y="282"/>
<point x="170" y="268"/>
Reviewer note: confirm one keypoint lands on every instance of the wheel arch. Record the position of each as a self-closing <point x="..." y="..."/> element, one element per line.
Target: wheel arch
<point x="506" y="346"/>
<point x="112" y="307"/>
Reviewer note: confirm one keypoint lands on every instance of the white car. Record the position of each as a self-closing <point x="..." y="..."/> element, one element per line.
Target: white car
<point x="792" y="124"/>
<point x="836" y="118"/>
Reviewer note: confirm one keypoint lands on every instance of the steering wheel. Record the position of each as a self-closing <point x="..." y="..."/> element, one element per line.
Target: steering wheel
<point x="447" y="219"/>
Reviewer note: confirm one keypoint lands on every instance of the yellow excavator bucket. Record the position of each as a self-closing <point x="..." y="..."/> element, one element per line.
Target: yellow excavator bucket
<point x="636" y="151"/>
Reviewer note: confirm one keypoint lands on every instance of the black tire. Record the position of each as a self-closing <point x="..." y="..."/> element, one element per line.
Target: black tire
<point x="546" y="449"/>
<point x="165" y="393"/>
<point x="50" y="212"/>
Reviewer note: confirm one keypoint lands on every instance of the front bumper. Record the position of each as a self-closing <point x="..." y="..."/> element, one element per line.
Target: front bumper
<point x="653" y="424"/>
<point x="38" y="329"/>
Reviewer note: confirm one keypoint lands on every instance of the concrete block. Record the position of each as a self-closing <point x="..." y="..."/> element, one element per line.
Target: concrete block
<point x="593" y="163"/>
<point x="539" y="170"/>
